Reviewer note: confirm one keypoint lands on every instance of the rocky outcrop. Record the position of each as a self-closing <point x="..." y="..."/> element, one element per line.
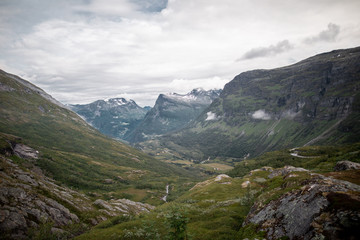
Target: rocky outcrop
<point x="24" y="151"/>
<point x="28" y="200"/>
<point x="115" y="207"/>
<point x="322" y="208"/>
<point x="346" y="165"/>
<point x="285" y="171"/>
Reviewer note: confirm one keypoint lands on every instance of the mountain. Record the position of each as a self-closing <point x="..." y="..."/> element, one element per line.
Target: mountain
<point x="114" y="117"/>
<point x="315" y="101"/>
<point x="75" y="154"/>
<point x="172" y="112"/>
<point x="59" y="176"/>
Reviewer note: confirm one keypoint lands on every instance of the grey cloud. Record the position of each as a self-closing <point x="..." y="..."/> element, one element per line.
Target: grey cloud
<point x="280" y="47"/>
<point x="151" y="5"/>
<point x="328" y="35"/>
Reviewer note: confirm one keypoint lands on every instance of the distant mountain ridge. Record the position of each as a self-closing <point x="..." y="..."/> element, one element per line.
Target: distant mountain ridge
<point x="114" y="117"/>
<point x="314" y="101"/>
<point x="172" y="112"/>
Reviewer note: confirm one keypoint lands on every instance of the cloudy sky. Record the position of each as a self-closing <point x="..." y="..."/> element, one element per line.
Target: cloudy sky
<point x="83" y="50"/>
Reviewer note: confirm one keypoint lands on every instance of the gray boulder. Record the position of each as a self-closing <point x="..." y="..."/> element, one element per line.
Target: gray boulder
<point x="323" y="208"/>
<point x="346" y="165"/>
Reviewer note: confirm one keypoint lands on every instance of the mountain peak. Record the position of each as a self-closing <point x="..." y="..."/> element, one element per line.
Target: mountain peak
<point x="172" y="112"/>
<point x="115" y="117"/>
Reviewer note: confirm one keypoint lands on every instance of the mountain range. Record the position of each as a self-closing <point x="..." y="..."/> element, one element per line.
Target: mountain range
<point x="293" y="133"/>
<point x="54" y="166"/>
<point x="114" y="117"/>
<point x="172" y="112"/>
<point x="122" y="119"/>
<point x="315" y="101"/>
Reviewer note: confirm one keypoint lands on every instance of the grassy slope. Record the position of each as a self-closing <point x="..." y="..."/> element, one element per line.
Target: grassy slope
<point x="216" y="209"/>
<point x="304" y="100"/>
<point x="75" y="154"/>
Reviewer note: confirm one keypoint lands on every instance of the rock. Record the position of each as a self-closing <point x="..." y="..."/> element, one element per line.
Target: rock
<point x="13" y="221"/>
<point x="285" y="170"/>
<point x="24" y="151"/>
<point x="346" y="165"/>
<point x="28" y="179"/>
<point x="220" y="177"/>
<point x="23" y="204"/>
<point x="260" y="180"/>
<point x="103" y="204"/>
<point x="297" y="214"/>
<point x="109" y="181"/>
<point x="245" y="184"/>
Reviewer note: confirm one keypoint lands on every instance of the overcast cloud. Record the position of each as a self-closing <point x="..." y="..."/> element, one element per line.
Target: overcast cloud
<point x="272" y="50"/>
<point x="328" y="35"/>
<point x="83" y="50"/>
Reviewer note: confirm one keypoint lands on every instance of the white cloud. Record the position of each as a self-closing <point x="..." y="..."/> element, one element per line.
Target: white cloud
<point x="85" y="50"/>
<point x="271" y="50"/>
<point x="261" y="114"/>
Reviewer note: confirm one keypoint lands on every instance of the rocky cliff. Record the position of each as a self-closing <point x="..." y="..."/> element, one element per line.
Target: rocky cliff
<point x="315" y="101"/>
<point x="114" y="117"/>
<point x="319" y="208"/>
<point x="29" y="201"/>
<point x="173" y="112"/>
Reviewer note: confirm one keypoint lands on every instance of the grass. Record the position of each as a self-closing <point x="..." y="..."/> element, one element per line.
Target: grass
<point x="324" y="160"/>
<point x="214" y="210"/>
<point x="75" y="154"/>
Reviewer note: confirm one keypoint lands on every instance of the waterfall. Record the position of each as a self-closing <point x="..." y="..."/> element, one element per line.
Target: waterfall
<point x="167" y="193"/>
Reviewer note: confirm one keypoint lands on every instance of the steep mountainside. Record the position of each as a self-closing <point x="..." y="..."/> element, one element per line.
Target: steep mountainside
<point x="33" y="205"/>
<point x="75" y="154"/>
<point x="115" y="117"/>
<point x="315" y="101"/>
<point x="172" y="112"/>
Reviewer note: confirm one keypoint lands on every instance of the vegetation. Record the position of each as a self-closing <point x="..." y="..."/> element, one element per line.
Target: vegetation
<point x="318" y="158"/>
<point x="74" y="154"/>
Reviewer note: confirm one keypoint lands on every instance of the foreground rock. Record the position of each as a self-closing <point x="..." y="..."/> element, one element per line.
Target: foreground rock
<point x="320" y="208"/>
<point x="115" y="207"/>
<point x="28" y="200"/>
<point x="346" y="165"/>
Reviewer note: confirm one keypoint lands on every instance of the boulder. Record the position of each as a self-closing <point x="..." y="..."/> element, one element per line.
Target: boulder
<point x="346" y="165"/>
<point x="323" y="208"/>
<point x="285" y="170"/>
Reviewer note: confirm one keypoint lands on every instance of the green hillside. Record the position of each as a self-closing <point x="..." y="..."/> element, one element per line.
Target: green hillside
<point x="75" y="154"/>
<point x="315" y="101"/>
<point x="223" y="207"/>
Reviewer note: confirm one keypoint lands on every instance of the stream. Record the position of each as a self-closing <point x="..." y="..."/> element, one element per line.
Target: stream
<point x="167" y="193"/>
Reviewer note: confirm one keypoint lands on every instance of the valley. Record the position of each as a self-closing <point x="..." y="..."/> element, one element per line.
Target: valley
<point x="274" y="155"/>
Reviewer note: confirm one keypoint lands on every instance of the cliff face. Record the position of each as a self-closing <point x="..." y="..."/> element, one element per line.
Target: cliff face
<point x="115" y="117"/>
<point x="321" y="208"/>
<point x="29" y="200"/>
<point x="172" y="112"/>
<point x="314" y="101"/>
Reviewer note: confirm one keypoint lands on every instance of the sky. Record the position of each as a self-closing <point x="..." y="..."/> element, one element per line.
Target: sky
<point x="80" y="51"/>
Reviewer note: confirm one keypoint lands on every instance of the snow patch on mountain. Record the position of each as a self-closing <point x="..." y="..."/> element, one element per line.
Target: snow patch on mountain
<point x="261" y="114"/>
<point x="211" y="116"/>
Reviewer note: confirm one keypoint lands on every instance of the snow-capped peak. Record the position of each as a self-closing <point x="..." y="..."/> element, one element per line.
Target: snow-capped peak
<point x="117" y="101"/>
